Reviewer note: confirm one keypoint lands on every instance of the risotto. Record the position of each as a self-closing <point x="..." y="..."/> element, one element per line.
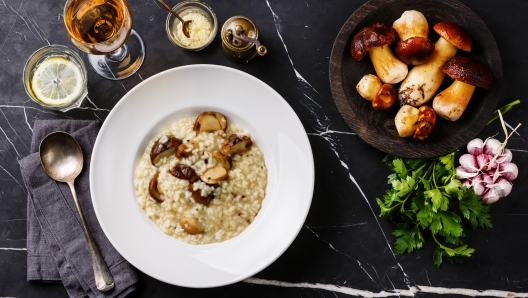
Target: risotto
<point x="201" y="186"/>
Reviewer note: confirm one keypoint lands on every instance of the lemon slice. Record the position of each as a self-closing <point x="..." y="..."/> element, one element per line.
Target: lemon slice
<point x="57" y="81"/>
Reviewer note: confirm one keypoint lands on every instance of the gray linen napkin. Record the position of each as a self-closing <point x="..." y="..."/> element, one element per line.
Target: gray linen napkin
<point x="56" y="245"/>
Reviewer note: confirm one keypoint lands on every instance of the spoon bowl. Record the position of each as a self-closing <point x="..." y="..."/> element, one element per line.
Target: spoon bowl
<point x="62" y="159"/>
<point x="185" y="24"/>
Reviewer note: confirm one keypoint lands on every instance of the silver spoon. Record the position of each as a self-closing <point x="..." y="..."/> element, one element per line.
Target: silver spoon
<point x="62" y="159"/>
<point x="185" y="24"/>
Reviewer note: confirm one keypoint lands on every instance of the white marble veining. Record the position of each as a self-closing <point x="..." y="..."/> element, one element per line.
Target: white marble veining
<point x="411" y="292"/>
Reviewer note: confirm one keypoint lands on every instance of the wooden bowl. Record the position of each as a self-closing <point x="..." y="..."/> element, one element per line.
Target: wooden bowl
<point x="377" y="127"/>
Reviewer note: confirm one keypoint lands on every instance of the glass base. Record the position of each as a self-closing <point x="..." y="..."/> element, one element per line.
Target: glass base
<point x="123" y="62"/>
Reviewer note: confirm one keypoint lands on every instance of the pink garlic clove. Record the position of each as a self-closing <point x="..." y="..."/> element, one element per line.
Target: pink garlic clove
<point x="483" y="161"/>
<point x="490" y="196"/>
<point x="462" y="173"/>
<point x="475" y="147"/>
<point x="492" y="146"/>
<point x="502" y="187"/>
<point x="508" y="170"/>
<point x="469" y="163"/>
<point x="506" y="156"/>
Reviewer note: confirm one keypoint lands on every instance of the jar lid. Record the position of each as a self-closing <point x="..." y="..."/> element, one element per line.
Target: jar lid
<point x="231" y="30"/>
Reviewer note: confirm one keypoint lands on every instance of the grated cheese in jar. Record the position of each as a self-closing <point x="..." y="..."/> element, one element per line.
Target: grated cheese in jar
<point x="199" y="30"/>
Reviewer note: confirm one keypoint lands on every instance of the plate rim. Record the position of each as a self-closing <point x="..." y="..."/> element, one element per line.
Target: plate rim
<point x="310" y="174"/>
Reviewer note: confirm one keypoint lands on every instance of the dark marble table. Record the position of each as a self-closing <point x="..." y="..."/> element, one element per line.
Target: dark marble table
<point x="344" y="247"/>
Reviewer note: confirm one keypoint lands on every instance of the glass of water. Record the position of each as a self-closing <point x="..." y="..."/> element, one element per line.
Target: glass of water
<point x="55" y="78"/>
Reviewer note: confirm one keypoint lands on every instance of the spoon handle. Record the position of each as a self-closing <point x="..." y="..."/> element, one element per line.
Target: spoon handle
<point x="103" y="278"/>
<point x="170" y="10"/>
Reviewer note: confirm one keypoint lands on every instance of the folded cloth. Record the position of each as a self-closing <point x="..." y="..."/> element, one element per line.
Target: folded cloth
<point x="56" y="245"/>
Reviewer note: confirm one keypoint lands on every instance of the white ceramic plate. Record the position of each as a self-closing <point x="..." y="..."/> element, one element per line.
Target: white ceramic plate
<point x="186" y="92"/>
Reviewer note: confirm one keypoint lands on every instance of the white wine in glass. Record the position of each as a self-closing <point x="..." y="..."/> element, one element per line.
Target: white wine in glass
<point x="103" y="29"/>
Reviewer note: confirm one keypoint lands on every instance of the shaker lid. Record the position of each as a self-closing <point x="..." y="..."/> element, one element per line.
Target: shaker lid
<point x="231" y="33"/>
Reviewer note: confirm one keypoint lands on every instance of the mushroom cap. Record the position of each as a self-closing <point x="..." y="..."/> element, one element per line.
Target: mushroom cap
<point x="374" y="35"/>
<point x="469" y="71"/>
<point x="414" y="50"/>
<point x="454" y="34"/>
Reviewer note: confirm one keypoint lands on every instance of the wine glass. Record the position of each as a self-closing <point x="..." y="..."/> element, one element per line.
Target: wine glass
<point x="103" y="29"/>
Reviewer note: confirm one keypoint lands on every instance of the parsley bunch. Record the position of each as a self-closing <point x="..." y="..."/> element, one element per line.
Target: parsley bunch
<point x="427" y="198"/>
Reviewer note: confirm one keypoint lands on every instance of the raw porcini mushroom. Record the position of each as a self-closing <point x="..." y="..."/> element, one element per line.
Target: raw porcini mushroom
<point x="163" y="147"/>
<point x="423" y="80"/>
<point x="184" y="172"/>
<point x="413" y="47"/>
<point x="212" y="175"/>
<point x="235" y="144"/>
<point x="190" y="224"/>
<point x="405" y="121"/>
<point x="222" y="159"/>
<point x="210" y="121"/>
<point x="385" y="97"/>
<point x="153" y="188"/>
<point x="468" y="74"/>
<point x="425" y="123"/>
<point x="417" y="122"/>
<point x="197" y="196"/>
<point x="375" y="39"/>
<point x="368" y="86"/>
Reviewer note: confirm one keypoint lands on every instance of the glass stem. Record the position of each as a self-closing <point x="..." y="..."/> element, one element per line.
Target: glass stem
<point x="118" y="55"/>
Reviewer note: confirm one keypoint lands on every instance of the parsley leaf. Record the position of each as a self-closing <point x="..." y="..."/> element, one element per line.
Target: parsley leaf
<point x="426" y="197"/>
<point x="476" y="213"/>
<point x="407" y="239"/>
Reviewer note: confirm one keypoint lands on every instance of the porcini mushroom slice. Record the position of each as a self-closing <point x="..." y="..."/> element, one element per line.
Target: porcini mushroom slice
<point x="405" y="121"/>
<point x="182" y="152"/>
<point x="375" y="40"/>
<point x="368" y="86"/>
<point x="210" y="121"/>
<point x="212" y="175"/>
<point x="423" y="80"/>
<point x="235" y="144"/>
<point x="184" y="172"/>
<point x="185" y="150"/>
<point x="197" y="195"/>
<point x="385" y="97"/>
<point x="163" y="147"/>
<point x="468" y="74"/>
<point x="222" y="159"/>
<point x="153" y="188"/>
<point x="190" y="224"/>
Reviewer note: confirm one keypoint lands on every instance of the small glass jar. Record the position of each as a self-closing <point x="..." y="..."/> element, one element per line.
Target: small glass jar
<point x="72" y="60"/>
<point x="184" y="8"/>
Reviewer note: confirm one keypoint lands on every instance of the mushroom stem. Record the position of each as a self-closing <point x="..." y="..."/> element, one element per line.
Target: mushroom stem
<point x="423" y="80"/>
<point x="451" y="103"/>
<point x="389" y="69"/>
